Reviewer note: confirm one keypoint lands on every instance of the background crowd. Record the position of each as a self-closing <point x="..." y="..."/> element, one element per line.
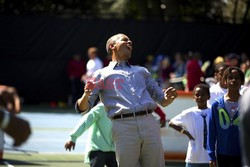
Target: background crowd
<point x="182" y="71"/>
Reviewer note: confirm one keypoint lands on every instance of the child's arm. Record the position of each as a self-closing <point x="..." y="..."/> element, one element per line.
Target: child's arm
<point x="162" y="115"/>
<point x="181" y="130"/>
<point x="85" y="122"/>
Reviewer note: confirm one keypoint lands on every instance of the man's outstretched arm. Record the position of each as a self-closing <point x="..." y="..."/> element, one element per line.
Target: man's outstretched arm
<point x="82" y="103"/>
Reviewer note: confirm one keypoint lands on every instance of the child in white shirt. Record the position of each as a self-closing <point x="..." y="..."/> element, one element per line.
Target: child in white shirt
<point x="193" y="123"/>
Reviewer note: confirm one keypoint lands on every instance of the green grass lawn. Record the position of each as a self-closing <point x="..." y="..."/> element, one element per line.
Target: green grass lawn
<point x="55" y="160"/>
<point x="46" y="160"/>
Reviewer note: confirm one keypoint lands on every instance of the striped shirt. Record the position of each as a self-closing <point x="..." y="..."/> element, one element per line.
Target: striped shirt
<point x="124" y="88"/>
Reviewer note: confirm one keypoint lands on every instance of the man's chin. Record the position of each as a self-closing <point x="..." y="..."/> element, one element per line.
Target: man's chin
<point x="126" y="56"/>
<point x="129" y="56"/>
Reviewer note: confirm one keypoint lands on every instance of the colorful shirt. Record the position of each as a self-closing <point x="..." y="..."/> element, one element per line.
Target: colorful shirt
<point x="223" y="133"/>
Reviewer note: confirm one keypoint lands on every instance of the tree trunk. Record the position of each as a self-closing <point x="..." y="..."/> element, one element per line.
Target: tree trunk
<point x="235" y="11"/>
<point x="246" y="12"/>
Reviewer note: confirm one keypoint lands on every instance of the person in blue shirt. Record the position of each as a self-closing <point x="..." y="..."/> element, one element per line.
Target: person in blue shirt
<point x="223" y="133"/>
<point x="129" y="94"/>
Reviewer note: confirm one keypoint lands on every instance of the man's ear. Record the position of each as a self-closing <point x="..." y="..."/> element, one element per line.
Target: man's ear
<point x="112" y="46"/>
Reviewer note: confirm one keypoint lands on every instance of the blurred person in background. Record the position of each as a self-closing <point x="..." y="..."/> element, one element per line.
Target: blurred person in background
<point x="156" y="64"/>
<point x="245" y="128"/>
<point x="194" y="73"/>
<point x="220" y="88"/>
<point x="245" y="67"/>
<point x="179" y="65"/>
<point x="149" y="64"/>
<point x="244" y="57"/>
<point x="164" y="72"/>
<point x="179" y="68"/>
<point x="94" y="63"/>
<point x="15" y="127"/>
<point x="232" y="59"/>
<point x="211" y="73"/>
<point x="76" y="68"/>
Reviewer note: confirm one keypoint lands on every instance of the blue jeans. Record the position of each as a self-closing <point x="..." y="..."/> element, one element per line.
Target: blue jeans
<point x="196" y="165"/>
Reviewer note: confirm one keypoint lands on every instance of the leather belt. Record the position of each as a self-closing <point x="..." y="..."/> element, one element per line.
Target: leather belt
<point x="138" y="113"/>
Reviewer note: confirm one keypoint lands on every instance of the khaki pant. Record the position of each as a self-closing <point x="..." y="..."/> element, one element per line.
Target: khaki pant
<point x="138" y="142"/>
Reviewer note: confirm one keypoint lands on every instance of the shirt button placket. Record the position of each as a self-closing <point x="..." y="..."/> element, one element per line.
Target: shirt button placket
<point x="131" y="88"/>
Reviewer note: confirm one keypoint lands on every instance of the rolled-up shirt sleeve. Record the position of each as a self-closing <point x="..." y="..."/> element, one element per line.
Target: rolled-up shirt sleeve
<point x="97" y="80"/>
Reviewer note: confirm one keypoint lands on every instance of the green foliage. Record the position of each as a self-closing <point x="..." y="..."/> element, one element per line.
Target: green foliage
<point x="231" y="11"/>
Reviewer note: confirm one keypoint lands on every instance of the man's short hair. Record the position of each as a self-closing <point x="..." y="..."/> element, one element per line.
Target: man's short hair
<point x="111" y="41"/>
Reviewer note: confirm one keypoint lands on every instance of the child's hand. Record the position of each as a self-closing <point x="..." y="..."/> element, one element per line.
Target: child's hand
<point x="69" y="145"/>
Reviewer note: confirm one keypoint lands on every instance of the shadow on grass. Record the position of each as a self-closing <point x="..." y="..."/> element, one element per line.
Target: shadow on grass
<point x="34" y="163"/>
<point x="17" y="162"/>
<point x="174" y="163"/>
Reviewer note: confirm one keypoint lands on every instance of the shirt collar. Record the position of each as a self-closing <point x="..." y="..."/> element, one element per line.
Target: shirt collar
<point x="114" y="64"/>
<point x="201" y="112"/>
